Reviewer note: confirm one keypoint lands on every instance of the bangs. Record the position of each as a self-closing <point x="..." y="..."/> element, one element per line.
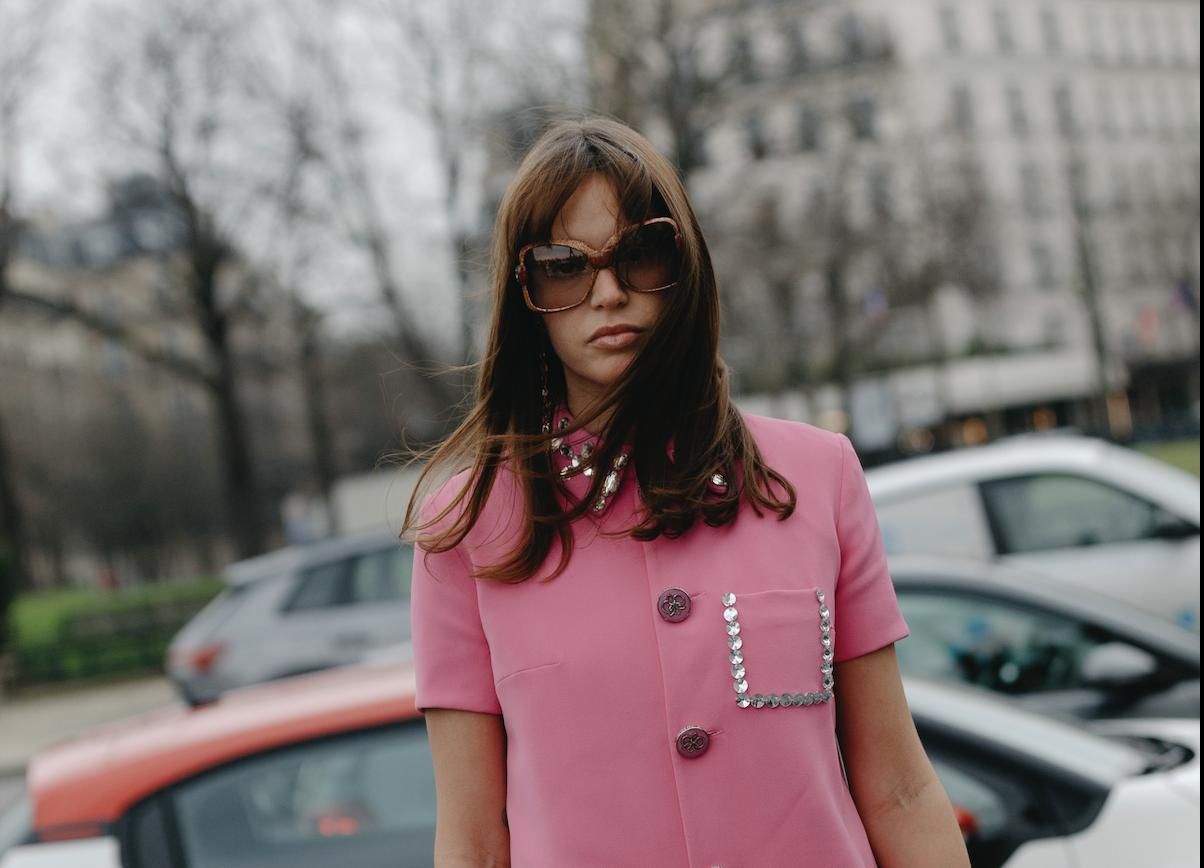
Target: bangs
<point x="565" y="161"/>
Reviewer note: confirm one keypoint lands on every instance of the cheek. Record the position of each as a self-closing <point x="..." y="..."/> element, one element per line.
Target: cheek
<point x="562" y="328"/>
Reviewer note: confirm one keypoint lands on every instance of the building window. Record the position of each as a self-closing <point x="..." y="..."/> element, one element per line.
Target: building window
<point x="1043" y="266"/>
<point x="1032" y="190"/>
<point x="1139" y="108"/>
<point x="754" y="130"/>
<point x="741" y="64"/>
<point x="1106" y="106"/>
<point x="800" y="59"/>
<point x="852" y="37"/>
<point x="809" y="130"/>
<point x="1051" y="31"/>
<point x="1122" y="189"/>
<point x="1125" y="38"/>
<point x="1005" y="39"/>
<point x="881" y="194"/>
<point x="863" y="120"/>
<point x="1095" y="35"/>
<point x="1017" y="110"/>
<point x="951" y="34"/>
<point x="1064" y="109"/>
<point x="961" y="109"/>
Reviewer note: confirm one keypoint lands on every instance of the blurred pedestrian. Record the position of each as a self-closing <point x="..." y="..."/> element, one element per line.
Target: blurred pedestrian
<point x="649" y="629"/>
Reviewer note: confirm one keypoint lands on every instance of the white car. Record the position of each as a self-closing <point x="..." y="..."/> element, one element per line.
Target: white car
<point x="1079" y="509"/>
<point x="1035" y="792"/>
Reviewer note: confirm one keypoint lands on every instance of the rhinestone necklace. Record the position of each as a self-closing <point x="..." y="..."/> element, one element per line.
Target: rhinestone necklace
<point x="579" y="463"/>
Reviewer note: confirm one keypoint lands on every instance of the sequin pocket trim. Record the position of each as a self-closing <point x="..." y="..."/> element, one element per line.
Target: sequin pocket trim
<point x="735" y="653"/>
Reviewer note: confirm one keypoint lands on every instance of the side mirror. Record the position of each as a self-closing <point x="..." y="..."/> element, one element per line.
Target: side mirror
<point x="1116" y="664"/>
<point x="1171" y="527"/>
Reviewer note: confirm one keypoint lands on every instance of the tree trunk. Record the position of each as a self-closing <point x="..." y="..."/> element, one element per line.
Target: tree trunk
<point x="321" y="440"/>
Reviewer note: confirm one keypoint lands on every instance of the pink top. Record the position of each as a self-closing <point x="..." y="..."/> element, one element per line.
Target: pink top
<point x="635" y="733"/>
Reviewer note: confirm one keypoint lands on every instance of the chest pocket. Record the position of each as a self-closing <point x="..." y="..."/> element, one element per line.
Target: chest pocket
<point x="780" y="647"/>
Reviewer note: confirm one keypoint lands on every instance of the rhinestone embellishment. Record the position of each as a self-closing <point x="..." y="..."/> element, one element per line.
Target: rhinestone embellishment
<point x="579" y="462"/>
<point x="731" y="616"/>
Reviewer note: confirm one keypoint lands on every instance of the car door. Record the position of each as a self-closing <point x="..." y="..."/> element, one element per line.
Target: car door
<point x="1084" y="531"/>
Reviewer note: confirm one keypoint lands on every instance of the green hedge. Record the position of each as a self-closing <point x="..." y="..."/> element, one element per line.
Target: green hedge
<point x="75" y="634"/>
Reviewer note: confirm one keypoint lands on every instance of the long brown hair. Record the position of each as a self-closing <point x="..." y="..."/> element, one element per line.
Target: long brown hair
<point x="674" y="392"/>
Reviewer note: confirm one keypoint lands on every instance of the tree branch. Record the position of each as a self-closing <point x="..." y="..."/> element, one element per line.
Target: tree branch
<point x="192" y="371"/>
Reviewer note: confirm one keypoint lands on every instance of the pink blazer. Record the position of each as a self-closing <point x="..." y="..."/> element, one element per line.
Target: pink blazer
<point x="671" y="703"/>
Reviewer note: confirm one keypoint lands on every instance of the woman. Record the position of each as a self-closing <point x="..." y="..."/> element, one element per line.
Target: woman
<point x="648" y="629"/>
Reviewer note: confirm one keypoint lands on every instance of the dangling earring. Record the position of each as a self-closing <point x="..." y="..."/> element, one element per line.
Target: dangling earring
<point x="543" y="392"/>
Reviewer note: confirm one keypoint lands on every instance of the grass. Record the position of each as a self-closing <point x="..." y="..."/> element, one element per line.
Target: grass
<point x="1184" y="454"/>
<point x="37" y="618"/>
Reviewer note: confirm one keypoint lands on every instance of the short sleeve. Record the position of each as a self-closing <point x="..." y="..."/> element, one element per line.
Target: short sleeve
<point x="867" y="612"/>
<point x="451" y="653"/>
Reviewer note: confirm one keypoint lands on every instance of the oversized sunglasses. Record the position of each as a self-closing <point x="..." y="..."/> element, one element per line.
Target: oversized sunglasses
<point x="558" y="275"/>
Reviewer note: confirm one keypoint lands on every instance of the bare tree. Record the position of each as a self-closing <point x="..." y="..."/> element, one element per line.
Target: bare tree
<point x="167" y="90"/>
<point x="457" y="66"/>
<point x="645" y="71"/>
<point x="25" y="25"/>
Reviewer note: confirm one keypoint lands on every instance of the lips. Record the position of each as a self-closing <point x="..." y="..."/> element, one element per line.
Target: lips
<point x="615" y="337"/>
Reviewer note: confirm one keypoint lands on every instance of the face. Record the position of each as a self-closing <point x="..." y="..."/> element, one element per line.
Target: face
<point x="596" y="340"/>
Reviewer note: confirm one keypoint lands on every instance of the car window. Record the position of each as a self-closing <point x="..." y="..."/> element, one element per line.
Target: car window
<point x="1053" y="511"/>
<point x="947" y="520"/>
<point x="321" y="587"/>
<point x="355" y="801"/>
<point x="381" y="577"/>
<point x="994" y="644"/>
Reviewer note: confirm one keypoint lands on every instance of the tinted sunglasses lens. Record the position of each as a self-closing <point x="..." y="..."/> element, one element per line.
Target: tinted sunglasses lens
<point x="649" y="258"/>
<point x="557" y="275"/>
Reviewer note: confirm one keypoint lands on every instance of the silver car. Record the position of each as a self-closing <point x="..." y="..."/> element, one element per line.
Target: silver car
<point x="1080" y="510"/>
<point x="296" y="610"/>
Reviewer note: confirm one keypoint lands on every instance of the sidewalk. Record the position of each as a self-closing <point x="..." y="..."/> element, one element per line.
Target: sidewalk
<point x="32" y="723"/>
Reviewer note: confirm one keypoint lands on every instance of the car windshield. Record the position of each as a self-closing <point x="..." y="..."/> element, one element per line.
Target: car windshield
<point x="16" y="823"/>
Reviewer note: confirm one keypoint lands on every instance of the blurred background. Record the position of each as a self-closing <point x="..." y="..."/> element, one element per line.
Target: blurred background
<point x="237" y="237"/>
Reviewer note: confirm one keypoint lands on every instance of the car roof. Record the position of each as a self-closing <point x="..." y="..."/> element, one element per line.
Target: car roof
<point x="94" y="778"/>
<point x="296" y="557"/>
<point x="952" y="574"/>
<point x="1043" y="453"/>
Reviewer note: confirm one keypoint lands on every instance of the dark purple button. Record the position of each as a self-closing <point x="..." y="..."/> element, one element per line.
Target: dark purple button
<point x="693" y="741"/>
<point x="673" y="605"/>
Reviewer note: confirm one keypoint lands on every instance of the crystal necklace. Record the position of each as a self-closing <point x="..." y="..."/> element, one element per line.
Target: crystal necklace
<point x="579" y="463"/>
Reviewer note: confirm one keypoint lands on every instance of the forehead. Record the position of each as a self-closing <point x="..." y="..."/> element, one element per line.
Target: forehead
<point x="592" y="214"/>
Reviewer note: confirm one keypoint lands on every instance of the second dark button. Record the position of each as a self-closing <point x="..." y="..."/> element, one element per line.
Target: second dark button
<point x="693" y="741"/>
<point x="673" y="605"/>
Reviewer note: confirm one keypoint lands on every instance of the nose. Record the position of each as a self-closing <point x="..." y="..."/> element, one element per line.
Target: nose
<point x="607" y="291"/>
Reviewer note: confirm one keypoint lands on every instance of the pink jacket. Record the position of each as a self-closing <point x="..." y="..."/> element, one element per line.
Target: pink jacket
<point x="671" y="703"/>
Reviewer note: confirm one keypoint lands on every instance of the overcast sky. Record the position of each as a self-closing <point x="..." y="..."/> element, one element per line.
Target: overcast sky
<point x="67" y="158"/>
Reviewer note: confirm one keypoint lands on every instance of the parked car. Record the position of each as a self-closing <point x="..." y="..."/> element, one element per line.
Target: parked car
<point x="1056" y="648"/>
<point x="334" y="769"/>
<point x="296" y="610"/>
<point x="1082" y="510"/>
